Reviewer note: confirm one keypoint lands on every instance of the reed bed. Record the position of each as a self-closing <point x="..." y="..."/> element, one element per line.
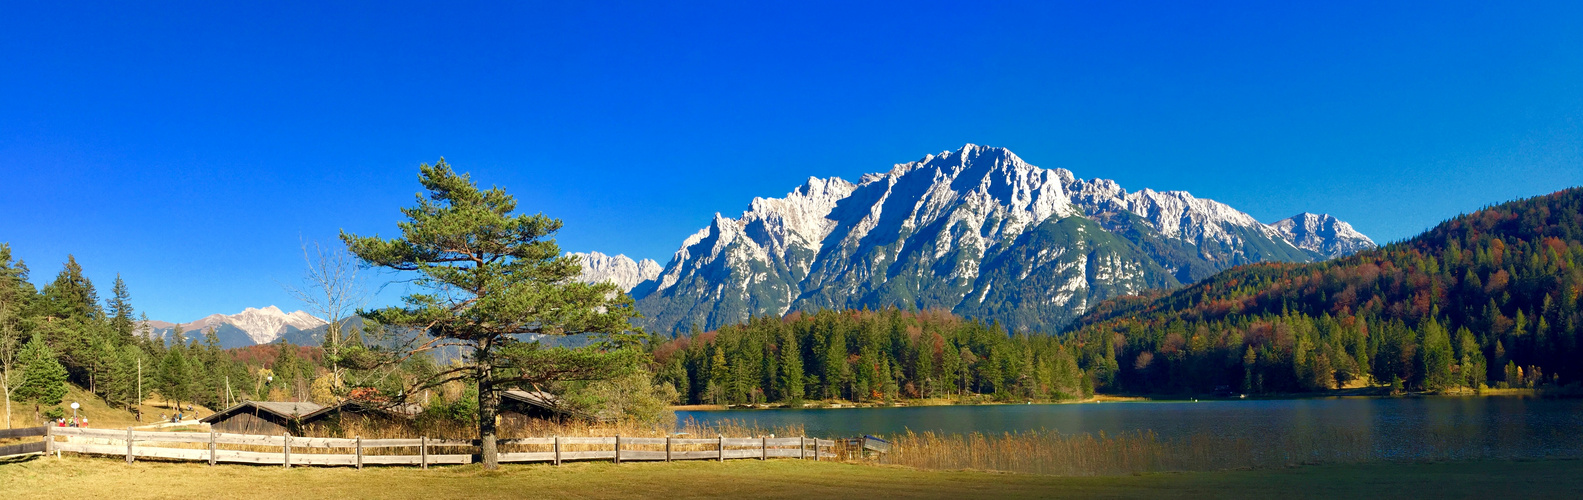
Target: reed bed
<point x="1053" y="453"/>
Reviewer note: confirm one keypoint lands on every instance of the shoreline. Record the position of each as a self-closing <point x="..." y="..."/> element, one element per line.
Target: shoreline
<point x="1356" y="392"/>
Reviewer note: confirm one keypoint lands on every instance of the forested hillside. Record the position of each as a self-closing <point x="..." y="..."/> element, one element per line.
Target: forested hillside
<point x="63" y="333"/>
<point x="1490" y="297"/>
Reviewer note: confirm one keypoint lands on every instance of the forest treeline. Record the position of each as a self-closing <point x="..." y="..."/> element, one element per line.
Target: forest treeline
<point x="63" y="333"/>
<point x="867" y="356"/>
<point x="1488" y="299"/>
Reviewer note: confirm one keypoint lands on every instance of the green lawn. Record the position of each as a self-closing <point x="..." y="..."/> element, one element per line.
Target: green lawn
<point x="77" y="477"/>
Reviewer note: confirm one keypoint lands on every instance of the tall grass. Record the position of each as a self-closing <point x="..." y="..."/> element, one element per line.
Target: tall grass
<point x="1049" y="452"/>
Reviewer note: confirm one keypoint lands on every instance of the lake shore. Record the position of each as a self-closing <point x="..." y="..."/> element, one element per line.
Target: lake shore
<point x="82" y="477"/>
<point x="1351" y="392"/>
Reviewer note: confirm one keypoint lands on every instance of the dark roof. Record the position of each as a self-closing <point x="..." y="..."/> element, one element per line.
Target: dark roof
<point x="404" y="411"/>
<point x="540" y="399"/>
<point x="544" y="400"/>
<point x="283" y="409"/>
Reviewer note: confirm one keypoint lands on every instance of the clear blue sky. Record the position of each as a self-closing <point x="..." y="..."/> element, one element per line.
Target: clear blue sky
<point x="191" y="147"/>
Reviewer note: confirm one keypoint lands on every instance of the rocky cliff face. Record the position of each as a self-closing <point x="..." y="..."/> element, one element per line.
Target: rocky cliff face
<point x="977" y="231"/>
<point x="619" y="269"/>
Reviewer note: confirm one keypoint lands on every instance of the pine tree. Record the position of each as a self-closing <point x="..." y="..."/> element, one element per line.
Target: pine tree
<point x="71" y="295"/>
<point x="790" y="365"/>
<point x="120" y="310"/>
<point x="496" y="277"/>
<point x="175" y="376"/>
<point x="1436" y="357"/>
<point x="43" y="380"/>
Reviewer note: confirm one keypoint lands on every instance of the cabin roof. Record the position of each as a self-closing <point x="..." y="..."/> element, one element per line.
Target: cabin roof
<point x="283" y="409"/>
<point x="540" y="399"/>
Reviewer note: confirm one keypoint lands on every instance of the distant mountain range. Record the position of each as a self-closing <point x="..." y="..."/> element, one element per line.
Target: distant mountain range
<point x="977" y="231"/>
<point x="620" y="269"/>
<point x="252" y="326"/>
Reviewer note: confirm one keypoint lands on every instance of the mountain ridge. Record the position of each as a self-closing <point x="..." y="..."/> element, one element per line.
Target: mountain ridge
<point x="252" y="326"/>
<point x="953" y="230"/>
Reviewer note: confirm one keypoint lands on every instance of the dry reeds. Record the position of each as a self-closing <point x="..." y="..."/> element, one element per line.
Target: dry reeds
<point x="1048" y="452"/>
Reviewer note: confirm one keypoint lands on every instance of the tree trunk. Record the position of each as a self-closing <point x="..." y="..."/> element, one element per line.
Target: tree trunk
<point x="488" y="408"/>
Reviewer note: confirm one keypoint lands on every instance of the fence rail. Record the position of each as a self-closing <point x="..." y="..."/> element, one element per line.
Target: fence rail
<point x="24" y="448"/>
<point x="134" y="444"/>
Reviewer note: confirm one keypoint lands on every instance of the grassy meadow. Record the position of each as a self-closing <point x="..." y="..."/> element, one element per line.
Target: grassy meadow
<point x="79" y="477"/>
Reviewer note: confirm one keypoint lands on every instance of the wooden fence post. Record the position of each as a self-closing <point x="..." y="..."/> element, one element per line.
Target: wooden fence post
<point x="49" y="440"/>
<point x="802" y="447"/>
<point x="722" y="446"/>
<point x="618" y="448"/>
<point x="211" y="447"/>
<point x="359" y="452"/>
<point x="764" y="448"/>
<point x="286" y="462"/>
<point x="667" y="449"/>
<point x="424" y="450"/>
<point x="557" y="451"/>
<point x="129" y="445"/>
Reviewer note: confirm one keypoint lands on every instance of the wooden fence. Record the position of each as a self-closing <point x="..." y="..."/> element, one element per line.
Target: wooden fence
<point x="422" y="451"/>
<point x="24" y="448"/>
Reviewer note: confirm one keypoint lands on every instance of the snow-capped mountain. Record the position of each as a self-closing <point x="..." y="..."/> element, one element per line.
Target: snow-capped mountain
<point x="1322" y="234"/>
<point x="620" y="269"/>
<point x="252" y="326"/>
<point x="977" y="231"/>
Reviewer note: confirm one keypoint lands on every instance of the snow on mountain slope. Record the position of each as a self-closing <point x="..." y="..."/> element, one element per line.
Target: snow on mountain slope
<point x="257" y="326"/>
<point x="976" y="230"/>
<point x="1323" y="234"/>
<point x="620" y="269"/>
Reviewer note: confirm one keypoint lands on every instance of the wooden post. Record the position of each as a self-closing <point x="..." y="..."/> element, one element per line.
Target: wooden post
<point x="211" y="447"/>
<point x="129" y="445"/>
<point x="722" y="446"/>
<point x="557" y="451"/>
<point x="359" y="452"/>
<point x="286" y="461"/>
<point x="49" y="440"/>
<point x="424" y="451"/>
<point x="764" y="448"/>
<point x="802" y="447"/>
<point x="667" y="449"/>
<point x="618" y="448"/>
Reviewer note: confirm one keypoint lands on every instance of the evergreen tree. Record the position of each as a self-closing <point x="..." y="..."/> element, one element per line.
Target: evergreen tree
<point x="175" y="376"/>
<point x="1436" y="357"/>
<point x="496" y="277"/>
<point x="43" y="380"/>
<point x="791" y="374"/>
<point x="120" y="310"/>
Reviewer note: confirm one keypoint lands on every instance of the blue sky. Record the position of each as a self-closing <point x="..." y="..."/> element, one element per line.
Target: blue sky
<point x="192" y="147"/>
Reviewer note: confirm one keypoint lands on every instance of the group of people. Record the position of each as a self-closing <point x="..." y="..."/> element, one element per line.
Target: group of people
<point x="174" y="418"/>
<point x="72" y="422"/>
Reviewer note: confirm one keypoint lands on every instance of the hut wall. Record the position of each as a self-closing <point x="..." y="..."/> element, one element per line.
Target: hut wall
<point x="247" y="423"/>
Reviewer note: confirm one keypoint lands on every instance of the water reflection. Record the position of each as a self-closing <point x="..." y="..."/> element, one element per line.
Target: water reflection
<point x="1407" y="428"/>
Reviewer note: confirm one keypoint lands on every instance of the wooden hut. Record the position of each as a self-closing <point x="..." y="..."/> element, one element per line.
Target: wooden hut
<point x="360" y="413"/>
<point x="262" y="417"/>
<point x="518" y="404"/>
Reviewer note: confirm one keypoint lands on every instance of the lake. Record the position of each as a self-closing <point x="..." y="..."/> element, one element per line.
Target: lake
<point x="1394" y="427"/>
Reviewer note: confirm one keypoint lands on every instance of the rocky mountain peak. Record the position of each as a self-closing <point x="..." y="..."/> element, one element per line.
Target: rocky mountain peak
<point x="619" y="269"/>
<point x="976" y="230"/>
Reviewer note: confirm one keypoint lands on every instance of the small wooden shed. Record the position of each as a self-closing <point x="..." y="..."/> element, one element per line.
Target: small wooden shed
<point x="520" y="404"/>
<point x="367" y="414"/>
<point x="262" y="417"/>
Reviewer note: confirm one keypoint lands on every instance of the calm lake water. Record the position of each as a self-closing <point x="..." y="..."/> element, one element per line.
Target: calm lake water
<point x="1504" y="426"/>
